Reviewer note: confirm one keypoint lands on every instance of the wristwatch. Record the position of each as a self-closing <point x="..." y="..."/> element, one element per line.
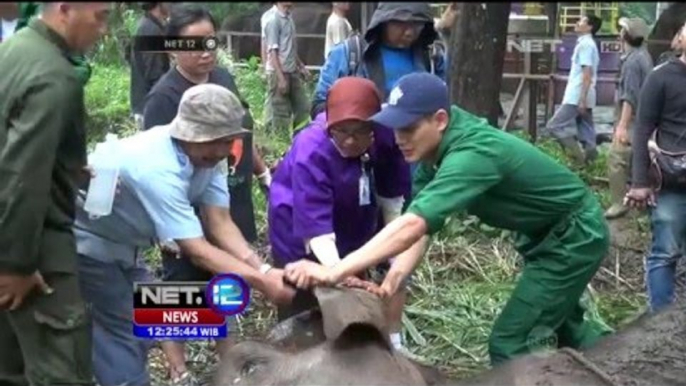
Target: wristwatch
<point x="264" y="268"/>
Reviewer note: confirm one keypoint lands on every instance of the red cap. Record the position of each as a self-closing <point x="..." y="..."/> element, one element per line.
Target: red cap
<point x="352" y="98"/>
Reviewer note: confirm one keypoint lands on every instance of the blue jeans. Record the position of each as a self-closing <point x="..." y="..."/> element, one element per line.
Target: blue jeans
<point x="119" y="358"/>
<point x="668" y="222"/>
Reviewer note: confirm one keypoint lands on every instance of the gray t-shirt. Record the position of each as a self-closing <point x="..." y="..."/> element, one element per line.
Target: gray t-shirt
<point x="280" y="37"/>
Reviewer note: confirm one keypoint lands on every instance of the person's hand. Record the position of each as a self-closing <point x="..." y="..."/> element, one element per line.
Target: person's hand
<point x="276" y="289"/>
<point x="305" y="274"/>
<point x="305" y="73"/>
<point x="621" y="136"/>
<point x="14" y="289"/>
<point x="356" y="282"/>
<point x="583" y="108"/>
<point x="265" y="180"/>
<point x="282" y="86"/>
<point x="639" y="198"/>
<point x="170" y="248"/>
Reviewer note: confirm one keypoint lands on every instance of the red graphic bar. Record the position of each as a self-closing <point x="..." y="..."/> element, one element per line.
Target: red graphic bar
<point x="188" y="316"/>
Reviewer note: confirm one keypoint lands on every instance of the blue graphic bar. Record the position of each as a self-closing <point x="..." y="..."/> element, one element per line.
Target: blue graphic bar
<point x="180" y="332"/>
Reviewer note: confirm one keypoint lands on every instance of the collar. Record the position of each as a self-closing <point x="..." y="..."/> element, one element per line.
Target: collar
<point x="183" y="159"/>
<point x="446" y="140"/>
<point x="585" y="37"/>
<point x="629" y="51"/>
<point x="50" y="35"/>
<point x="278" y="11"/>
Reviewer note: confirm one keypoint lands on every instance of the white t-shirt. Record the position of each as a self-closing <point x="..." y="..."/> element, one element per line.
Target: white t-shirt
<point x="337" y="30"/>
<point x="8" y="27"/>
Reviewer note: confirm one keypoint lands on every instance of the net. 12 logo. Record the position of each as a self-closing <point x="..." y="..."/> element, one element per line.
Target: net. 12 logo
<point x="188" y="310"/>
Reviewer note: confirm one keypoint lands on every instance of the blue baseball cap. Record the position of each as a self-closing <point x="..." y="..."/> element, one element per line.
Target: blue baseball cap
<point x="414" y="96"/>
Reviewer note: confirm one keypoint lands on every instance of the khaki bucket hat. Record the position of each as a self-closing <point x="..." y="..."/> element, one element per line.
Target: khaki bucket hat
<point x="208" y="112"/>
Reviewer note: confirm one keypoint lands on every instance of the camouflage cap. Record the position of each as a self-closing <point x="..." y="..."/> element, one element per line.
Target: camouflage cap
<point x="635" y="27"/>
<point x="208" y="112"/>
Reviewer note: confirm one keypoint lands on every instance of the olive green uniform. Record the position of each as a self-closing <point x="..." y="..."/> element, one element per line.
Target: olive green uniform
<point x="561" y="232"/>
<point x="42" y="154"/>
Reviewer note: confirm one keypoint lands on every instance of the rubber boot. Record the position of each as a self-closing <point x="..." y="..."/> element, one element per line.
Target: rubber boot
<point x="573" y="150"/>
<point x="617" y="173"/>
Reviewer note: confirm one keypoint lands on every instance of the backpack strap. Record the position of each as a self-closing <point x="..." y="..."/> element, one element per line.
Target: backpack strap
<point x="436" y="51"/>
<point x="354" y="45"/>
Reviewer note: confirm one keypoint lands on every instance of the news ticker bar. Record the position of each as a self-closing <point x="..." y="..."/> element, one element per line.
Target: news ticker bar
<point x="175" y="43"/>
<point x="157" y="316"/>
<point x="180" y="332"/>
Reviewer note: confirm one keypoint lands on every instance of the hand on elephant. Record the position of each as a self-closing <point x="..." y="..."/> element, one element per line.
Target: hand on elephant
<point x="276" y="289"/>
<point x="305" y="274"/>
<point x="356" y="282"/>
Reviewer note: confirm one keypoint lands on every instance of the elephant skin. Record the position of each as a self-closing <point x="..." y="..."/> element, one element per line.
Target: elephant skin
<point x="343" y="343"/>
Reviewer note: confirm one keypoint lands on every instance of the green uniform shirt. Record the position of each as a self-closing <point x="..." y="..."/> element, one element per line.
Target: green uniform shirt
<point x="42" y="151"/>
<point x="505" y="181"/>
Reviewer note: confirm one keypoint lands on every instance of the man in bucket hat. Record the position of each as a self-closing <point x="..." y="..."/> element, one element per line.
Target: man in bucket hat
<point x="465" y="164"/>
<point x="164" y="173"/>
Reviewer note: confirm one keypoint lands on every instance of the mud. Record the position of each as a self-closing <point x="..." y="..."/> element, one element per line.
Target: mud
<point x="650" y="351"/>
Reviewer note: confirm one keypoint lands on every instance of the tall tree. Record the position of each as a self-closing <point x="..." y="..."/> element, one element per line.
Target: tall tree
<point x="477" y="51"/>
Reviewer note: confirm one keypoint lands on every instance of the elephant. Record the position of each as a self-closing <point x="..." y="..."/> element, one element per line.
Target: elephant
<point x="344" y="342"/>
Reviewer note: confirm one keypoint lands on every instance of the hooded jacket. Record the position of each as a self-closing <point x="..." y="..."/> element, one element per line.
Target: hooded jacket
<point x="337" y="64"/>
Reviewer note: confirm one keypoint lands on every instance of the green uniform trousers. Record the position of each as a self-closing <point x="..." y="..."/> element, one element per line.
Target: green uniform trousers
<point x="286" y="111"/>
<point x="47" y="341"/>
<point x="545" y="304"/>
<point x="619" y="171"/>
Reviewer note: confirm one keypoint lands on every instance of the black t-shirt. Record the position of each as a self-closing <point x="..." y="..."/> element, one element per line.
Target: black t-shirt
<point x="161" y="106"/>
<point x="146" y="67"/>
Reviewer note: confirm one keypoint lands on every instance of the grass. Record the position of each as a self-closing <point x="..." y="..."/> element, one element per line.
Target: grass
<point x="457" y="292"/>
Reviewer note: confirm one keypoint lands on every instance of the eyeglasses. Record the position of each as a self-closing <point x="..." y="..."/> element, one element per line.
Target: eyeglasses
<point x="358" y="134"/>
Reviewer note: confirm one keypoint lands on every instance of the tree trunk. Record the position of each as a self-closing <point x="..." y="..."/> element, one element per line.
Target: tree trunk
<point x="477" y="53"/>
<point x="666" y="27"/>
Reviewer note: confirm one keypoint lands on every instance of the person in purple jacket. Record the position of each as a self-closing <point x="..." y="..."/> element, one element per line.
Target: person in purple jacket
<point x="341" y="172"/>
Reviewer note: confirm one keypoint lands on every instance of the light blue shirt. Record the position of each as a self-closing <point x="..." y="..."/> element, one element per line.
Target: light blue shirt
<point x="159" y="187"/>
<point x="585" y="54"/>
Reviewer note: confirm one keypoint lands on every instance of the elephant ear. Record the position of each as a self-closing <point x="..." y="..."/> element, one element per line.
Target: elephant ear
<point x="349" y="313"/>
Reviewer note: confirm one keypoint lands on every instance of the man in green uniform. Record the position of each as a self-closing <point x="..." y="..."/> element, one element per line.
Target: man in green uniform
<point x="465" y="164"/>
<point x="44" y="334"/>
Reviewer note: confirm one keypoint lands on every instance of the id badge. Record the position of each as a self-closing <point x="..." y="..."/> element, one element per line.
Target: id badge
<point x="365" y="198"/>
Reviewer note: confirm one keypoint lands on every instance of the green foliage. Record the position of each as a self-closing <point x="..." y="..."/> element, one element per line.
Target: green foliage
<point x="645" y="11"/>
<point x="113" y="47"/>
<point x="107" y="103"/>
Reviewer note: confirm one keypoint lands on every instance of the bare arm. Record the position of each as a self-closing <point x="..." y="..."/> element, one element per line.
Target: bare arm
<point x="215" y="260"/>
<point x="259" y="166"/>
<point x="222" y="232"/>
<point x="626" y="114"/>
<point x="585" y="85"/>
<point x="403" y="233"/>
